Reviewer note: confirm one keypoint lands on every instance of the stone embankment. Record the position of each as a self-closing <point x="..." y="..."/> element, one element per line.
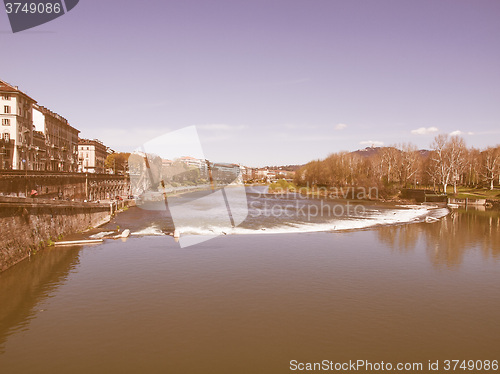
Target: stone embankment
<point x="28" y="225"/>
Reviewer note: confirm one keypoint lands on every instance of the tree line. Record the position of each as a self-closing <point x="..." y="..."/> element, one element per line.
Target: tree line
<point x="449" y="162"/>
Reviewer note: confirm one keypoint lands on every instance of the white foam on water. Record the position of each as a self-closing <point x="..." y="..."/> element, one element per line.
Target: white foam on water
<point x="101" y="234"/>
<point x="439" y="212"/>
<point x="148" y="231"/>
<point x="374" y="218"/>
<point x="408" y="214"/>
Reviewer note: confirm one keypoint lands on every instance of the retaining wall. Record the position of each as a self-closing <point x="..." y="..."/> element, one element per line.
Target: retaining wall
<point x="27" y="224"/>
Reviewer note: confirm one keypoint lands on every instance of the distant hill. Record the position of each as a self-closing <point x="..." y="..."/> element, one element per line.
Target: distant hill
<point x="372" y="151"/>
<point x="368" y="151"/>
<point x="365" y="152"/>
<point x="284" y="167"/>
<point x="424" y="153"/>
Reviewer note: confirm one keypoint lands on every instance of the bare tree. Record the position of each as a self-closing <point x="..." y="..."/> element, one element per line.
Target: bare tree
<point x="473" y="167"/>
<point x="449" y="162"/>
<point x="390" y="160"/>
<point x="441" y="168"/>
<point x="491" y="164"/>
<point x="457" y="152"/>
<point x="431" y="175"/>
<point x="410" y="163"/>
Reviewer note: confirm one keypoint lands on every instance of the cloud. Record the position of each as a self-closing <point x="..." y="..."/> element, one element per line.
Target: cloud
<point x="458" y="132"/>
<point x="340" y="126"/>
<point x="372" y="143"/>
<point x="425" y="130"/>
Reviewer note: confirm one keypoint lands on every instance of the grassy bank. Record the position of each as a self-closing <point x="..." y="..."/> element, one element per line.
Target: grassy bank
<point x="474" y="193"/>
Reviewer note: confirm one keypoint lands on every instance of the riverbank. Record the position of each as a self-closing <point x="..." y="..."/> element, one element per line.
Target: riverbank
<point x="490" y="198"/>
<point x="29" y="225"/>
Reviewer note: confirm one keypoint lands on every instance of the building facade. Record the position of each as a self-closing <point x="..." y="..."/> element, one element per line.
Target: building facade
<point x="91" y="156"/>
<point x="61" y="140"/>
<point x="33" y="137"/>
<point x="40" y="151"/>
<point x="192" y="162"/>
<point x="17" y="149"/>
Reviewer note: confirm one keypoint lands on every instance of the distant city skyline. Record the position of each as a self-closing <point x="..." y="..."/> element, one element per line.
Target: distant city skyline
<point x="267" y="82"/>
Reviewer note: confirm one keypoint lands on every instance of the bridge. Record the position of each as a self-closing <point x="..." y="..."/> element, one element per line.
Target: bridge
<point x="63" y="186"/>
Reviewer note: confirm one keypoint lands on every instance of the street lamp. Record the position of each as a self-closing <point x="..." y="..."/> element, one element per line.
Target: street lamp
<point x="25" y="177"/>
<point x="3" y="154"/>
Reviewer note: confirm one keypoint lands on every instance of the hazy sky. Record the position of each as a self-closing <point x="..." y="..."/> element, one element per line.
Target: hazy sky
<point x="266" y="82"/>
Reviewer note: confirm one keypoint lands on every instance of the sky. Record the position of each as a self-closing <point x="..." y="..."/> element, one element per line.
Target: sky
<point x="266" y="82"/>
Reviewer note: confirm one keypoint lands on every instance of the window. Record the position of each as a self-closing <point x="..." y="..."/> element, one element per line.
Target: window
<point x="6" y="109"/>
<point x="6" y="97"/>
<point x="6" y="136"/>
<point x="6" y="121"/>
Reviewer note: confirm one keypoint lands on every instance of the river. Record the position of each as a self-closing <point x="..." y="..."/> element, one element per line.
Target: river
<point x="387" y="286"/>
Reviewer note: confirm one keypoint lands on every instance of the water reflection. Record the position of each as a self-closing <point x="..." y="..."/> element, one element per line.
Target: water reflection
<point x="25" y="285"/>
<point x="302" y="294"/>
<point x="449" y="240"/>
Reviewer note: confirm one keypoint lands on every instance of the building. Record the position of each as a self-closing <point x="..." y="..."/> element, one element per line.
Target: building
<point x="39" y="151"/>
<point x="34" y="137"/>
<point x="191" y="161"/>
<point x="261" y="174"/>
<point x="17" y="150"/>
<point x="165" y="163"/>
<point x="111" y="168"/>
<point x="227" y="173"/>
<point x="61" y="140"/>
<point x="6" y="151"/>
<point x="91" y="156"/>
<point x="195" y="162"/>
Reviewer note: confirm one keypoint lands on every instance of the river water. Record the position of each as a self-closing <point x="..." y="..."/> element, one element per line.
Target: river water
<point x="384" y="286"/>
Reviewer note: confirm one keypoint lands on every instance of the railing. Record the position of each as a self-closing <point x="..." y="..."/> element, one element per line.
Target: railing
<point x="47" y="173"/>
<point x="467" y="201"/>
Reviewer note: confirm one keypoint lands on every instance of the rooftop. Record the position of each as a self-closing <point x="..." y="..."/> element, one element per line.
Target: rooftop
<point x="6" y="87"/>
<point x="91" y="142"/>
<point x="47" y="111"/>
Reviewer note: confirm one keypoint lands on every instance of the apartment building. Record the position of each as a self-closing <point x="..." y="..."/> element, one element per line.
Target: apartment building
<point x="91" y="156"/>
<point x="61" y="140"/>
<point x="17" y="151"/>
